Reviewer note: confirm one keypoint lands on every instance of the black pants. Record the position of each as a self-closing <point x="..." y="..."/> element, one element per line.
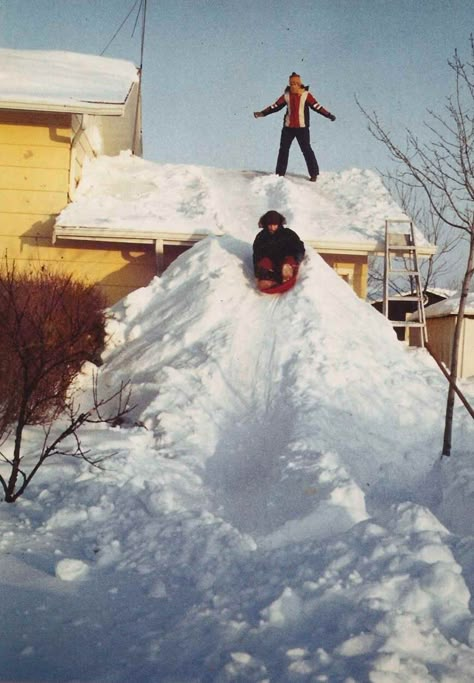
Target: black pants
<point x="287" y="137"/>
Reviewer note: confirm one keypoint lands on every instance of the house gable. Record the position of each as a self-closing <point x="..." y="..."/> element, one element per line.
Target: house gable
<point x="48" y="128"/>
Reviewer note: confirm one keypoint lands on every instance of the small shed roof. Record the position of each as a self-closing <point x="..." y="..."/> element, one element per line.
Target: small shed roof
<point x="126" y="198"/>
<point x="44" y="80"/>
<point x="450" y="306"/>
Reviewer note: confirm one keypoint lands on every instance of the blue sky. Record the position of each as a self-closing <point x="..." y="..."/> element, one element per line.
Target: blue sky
<point x="208" y="64"/>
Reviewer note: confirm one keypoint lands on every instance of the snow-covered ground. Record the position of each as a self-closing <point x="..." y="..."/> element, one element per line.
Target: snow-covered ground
<point x="276" y="509"/>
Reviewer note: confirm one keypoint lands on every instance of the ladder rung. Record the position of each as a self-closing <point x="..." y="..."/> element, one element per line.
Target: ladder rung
<point x="397" y="236"/>
<point x="400" y="297"/>
<point x="406" y="323"/>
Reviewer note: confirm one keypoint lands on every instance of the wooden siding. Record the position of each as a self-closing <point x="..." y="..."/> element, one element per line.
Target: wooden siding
<point x="29" y="156"/>
<point x="35" y="157"/>
<point x="116" y="269"/>
<point x="15" y="227"/>
<point x="467" y="361"/>
<point x="440" y="337"/>
<point x="42" y="180"/>
<point x="32" y="202"/>
<point x="34" y="129"/>
<point x="34" y="176"/>
<point x="81" y="149"/>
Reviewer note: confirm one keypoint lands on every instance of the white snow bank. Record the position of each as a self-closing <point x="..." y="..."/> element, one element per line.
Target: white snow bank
<point x="134" y="195"/>
<point x="222" y="366"/>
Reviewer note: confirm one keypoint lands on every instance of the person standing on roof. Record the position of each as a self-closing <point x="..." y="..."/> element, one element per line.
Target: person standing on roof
<point x="298" y="101"/>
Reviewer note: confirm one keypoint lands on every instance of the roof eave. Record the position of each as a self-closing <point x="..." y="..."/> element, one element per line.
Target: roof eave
<point x="129" y="236"/>
<point x="96" y="108"/>
<point x="362" y="248"/>
<point x="89" y="234"/>
<point x="341" y="247"/>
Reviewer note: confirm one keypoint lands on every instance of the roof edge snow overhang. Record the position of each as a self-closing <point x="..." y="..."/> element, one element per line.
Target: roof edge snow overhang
<point x="124" y="236"/>
<point x="88" y="234"/>
<point x="353" y="248"/>
<point x="363" y="248"/>
<point x="97" y="108"/>
<point x="75" y="107"/>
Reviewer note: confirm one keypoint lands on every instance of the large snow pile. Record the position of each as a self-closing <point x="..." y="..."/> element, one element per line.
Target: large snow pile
<point x="127" y="193"/>
<point x="276" y="510"/>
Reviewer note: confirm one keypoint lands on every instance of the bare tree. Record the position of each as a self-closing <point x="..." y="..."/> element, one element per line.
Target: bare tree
<point x="442" y="168"/>
<point x="51" y="325"/>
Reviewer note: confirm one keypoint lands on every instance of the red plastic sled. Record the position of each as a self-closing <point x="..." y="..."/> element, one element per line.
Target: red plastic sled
<point x="278" y="287"/>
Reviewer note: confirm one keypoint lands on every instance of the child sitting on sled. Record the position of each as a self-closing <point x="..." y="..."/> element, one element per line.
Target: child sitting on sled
<point x="277" y="252"/>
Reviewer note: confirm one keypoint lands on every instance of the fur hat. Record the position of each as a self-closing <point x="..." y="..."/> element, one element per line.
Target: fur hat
<point x="299" y="82"/>
<point x="294" y="75"/>
<point x="271" y="218"/>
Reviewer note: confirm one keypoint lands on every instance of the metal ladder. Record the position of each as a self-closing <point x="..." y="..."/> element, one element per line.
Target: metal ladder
<point x="401" y="259"/>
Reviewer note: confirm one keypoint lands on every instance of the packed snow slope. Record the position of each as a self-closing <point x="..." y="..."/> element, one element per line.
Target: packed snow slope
<point x="275" y="511"/>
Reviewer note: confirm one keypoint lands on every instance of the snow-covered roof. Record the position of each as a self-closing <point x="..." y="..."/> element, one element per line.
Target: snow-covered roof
<point x="437" y="291"/>
<point x="450" y="307"/>
<point x="43" y="80"/>
<point x="126" y="196"/>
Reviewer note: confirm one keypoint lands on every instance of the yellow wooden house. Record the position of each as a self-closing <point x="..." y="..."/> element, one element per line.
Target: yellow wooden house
<point x="56" y="110"/>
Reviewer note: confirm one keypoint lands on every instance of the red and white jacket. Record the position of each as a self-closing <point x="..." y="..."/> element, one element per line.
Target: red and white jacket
<point x="298" y="106"/>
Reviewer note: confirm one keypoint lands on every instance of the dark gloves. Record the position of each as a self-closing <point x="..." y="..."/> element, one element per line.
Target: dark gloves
<point x="258" y="114"/>
<point x="332" y="117"/>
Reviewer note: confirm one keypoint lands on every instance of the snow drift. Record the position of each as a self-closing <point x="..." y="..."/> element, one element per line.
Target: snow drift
<point x="275" y="511"/>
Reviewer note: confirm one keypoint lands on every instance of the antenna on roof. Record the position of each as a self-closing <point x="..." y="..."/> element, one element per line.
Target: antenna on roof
<point x="142" y="44"/>
<point x="122" y="25"/>
<point x="142" y="8"/>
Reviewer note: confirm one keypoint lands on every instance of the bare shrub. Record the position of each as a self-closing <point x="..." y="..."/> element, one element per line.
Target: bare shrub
<point x="50" y="326"/>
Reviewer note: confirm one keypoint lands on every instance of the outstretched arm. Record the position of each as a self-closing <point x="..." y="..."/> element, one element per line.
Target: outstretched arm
<point x="272" y="109"/>
<point x="315" y="106"/>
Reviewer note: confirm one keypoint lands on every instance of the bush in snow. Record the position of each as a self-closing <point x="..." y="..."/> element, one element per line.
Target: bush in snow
<point x="51" y="325"/>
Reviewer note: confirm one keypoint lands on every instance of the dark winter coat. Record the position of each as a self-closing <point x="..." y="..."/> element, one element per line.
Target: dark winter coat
<point x="277" y="246"/>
